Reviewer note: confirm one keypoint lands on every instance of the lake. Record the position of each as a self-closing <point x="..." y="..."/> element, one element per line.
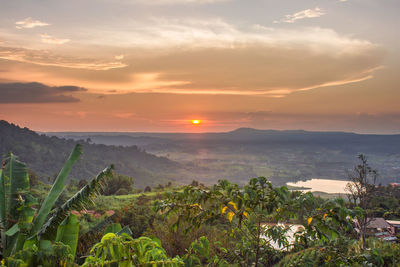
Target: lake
<point x="322" y="185"/>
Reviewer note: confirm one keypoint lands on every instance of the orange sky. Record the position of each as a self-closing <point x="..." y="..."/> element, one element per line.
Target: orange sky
<point x="314" y="65"/>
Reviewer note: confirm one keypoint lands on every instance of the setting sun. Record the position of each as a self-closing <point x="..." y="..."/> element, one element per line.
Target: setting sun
<point x="196" y="122"/>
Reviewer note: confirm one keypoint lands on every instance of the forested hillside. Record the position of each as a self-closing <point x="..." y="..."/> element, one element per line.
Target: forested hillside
<point x="46" y="154"/>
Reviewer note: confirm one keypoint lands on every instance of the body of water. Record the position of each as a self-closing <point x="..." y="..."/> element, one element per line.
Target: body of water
<point x="322" y="185"/>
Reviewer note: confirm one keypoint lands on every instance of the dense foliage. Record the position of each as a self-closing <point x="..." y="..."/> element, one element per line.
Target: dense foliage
<point x="45" y="155"/>
<point x="223" y="225"/>
<point x="28" y="229"/>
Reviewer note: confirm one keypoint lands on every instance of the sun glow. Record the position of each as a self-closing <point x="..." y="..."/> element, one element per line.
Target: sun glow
<point x="196" y="122"/>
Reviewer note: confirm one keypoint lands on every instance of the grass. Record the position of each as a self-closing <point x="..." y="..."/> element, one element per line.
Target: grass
<point x="294" y="188"/>
<point x="329" y="195"/>
<point x="116" y="202"/>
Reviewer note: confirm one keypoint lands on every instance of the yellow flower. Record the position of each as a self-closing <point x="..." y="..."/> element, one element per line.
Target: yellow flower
<point x="246" y="214"/>
<point x="328" y="259"/>
<point x="233" y="205"/>
<point x="230" y="216"/>
<point x="323" y="217"/>
<point x="224" y="209"/>
<point x="309" y="220"/>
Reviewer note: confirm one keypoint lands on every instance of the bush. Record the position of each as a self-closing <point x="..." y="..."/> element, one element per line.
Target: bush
<point x="119" y="182"/>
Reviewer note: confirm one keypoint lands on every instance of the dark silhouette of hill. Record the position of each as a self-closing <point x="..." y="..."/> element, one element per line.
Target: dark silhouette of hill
<point x="45" y="155"/>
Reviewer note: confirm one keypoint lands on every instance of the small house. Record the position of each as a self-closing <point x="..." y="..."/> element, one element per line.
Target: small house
<point x="395" y="226"/>
<point x="378" y="226"/>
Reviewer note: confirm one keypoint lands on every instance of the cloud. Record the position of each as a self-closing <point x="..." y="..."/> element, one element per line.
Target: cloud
<point x="119" y="57"/>
<point x="46" y="58"/>
<point x="215" y="57"/>
<point x="308" y="13"/>
<point x="37" y="93"/>
<point x="208" y="57"/>
<point x="48" y="39"/>
<point x="30" y="23"/>
<point x="160" y="35"/>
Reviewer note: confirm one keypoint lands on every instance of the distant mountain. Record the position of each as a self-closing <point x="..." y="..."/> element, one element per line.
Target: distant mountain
<point x="157" y="158"/>
<point x="355" y="142"/>
<point x="45" y="155"/>
<point x="281" y="156"/>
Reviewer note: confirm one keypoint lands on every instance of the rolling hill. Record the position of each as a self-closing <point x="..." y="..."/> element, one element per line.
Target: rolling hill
<point x="45" y="155"/>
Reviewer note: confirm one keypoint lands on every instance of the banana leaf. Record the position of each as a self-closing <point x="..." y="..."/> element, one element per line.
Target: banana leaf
<point x="15" y="185"/>
<point x="2" y="208"/>
<point x="68" y="232"/>
<point x="113" y="228"/>
<point x="55" y="191"/>
<point x="125" y="230"/>
<point x="18" y="179"/>
<point x="77" y="202"/>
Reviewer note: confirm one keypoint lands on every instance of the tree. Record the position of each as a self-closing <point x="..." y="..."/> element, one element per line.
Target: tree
<point x="361" y="192"/>
<point x="246" y="211"/>
<point x="253" y="214"/>
<point x="119" y="185"/>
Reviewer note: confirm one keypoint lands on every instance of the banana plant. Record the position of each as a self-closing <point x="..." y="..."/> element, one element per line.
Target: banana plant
<point x="22" y="225"/>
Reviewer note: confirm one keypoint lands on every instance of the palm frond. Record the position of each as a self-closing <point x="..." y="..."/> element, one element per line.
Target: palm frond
<point x="78" y="202"/>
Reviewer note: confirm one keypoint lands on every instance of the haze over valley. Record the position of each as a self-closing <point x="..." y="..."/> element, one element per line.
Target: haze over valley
<point x="281" y="156"/>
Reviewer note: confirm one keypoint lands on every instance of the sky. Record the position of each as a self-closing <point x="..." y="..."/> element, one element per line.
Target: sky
<point x="156" y="65"/>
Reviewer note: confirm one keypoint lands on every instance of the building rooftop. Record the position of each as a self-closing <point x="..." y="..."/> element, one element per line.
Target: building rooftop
<point x="378" y="223"/>
<point x="394" y="223"/>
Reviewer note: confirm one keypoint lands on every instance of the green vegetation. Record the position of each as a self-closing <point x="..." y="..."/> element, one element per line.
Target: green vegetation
<point x="223" y="225"/>
<point x="26" y="231"/>
<point x="45" y="155"/>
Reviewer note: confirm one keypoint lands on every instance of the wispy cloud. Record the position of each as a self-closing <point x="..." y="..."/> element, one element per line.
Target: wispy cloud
<point x="46" y="58"/>
<point x="211" y="57"/>
<point x="308" y="13"/>
<point x="119" y="57"/>
<point x="29" y="23"/>
<point x="48" y="39"/>
<point x="188" y="34"/>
